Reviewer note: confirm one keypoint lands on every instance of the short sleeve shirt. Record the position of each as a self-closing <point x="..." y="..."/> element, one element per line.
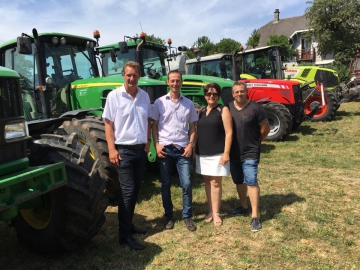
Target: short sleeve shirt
<point x="246" y="131"/>
<point x="174" y="119"/>
<point x="130" y="116"/>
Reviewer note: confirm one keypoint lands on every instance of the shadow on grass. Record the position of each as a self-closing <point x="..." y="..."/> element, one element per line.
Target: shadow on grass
<point x="267" y="148"/>
<point x="270" y="204"/>
<point x="102" y="252"/>
<point x="339" y="115"/>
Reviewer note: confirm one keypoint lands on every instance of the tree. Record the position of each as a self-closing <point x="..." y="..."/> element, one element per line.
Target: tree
<point x="152" y="38"/>
<point x="254" y="39"/>
<point x="205" y="45"/>
<point x="283" y="42"/>
<point x="227" y="45"/>
<point x="335" y="25"/>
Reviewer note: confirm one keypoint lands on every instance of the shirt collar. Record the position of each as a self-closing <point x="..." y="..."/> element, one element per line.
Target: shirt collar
<point x="169" y="97"/>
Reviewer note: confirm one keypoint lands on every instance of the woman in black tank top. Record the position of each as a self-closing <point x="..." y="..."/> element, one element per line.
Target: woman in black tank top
<point x="214" y="137"/>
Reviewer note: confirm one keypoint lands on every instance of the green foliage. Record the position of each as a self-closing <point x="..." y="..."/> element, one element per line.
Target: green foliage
<point x="283" y="42"/>
<point x="341" y="69"/>
<point x="227" y="45"/>
<point x="254" y="39"/>
<point x="152" y="38"/>
<point x="335" y="25"/>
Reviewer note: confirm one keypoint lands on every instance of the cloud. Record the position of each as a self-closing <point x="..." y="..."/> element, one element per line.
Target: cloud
<point x="182" y="20"/>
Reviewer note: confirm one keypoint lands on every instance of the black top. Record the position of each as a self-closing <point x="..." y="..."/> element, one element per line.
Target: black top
<point x="210" y="132"/>
<point x="246" y="131"/>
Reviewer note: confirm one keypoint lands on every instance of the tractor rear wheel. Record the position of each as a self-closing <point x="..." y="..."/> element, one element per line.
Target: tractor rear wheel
<point x="312" y="99"/>
<point x="280" y="121"/>
<point x="91" y="131"/>
<point x="72" y="214"/>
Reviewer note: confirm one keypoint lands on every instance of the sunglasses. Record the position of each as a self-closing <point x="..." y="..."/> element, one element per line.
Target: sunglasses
<point x="212" y="94"/>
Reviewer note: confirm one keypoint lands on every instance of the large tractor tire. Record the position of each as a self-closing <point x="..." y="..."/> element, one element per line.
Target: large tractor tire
<point x="312" y="99"/>
<point x="71" y="215"/>
<point x="91" y="131"/>
<point x="280" y="121"/>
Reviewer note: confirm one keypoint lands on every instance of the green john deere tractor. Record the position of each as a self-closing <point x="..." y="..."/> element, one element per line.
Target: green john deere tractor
<point x="62" y="87"/>
<point x="154" y="58"/>
<point x="51" y="191"/>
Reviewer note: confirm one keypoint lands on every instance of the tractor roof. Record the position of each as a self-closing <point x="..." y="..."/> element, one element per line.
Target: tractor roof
<point x="49" y="35"/>
<point x="9" y="73"/>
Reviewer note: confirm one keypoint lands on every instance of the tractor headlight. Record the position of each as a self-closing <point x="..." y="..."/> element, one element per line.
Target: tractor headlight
<point x="55" y="40"/>
<point x="15" y="131"/>
<point x="62" y="41"/>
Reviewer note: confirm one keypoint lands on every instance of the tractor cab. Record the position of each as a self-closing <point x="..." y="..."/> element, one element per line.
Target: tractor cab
<point x="150" y="56"/>
<point x="47" y="64"/>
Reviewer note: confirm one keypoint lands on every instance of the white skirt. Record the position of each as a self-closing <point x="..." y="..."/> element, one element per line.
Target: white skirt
<point x="210" y="165"/>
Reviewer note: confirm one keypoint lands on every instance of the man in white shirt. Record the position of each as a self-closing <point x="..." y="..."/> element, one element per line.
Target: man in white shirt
<point x="127" y="116"/>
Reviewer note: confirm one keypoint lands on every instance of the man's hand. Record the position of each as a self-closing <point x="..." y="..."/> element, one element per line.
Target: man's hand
<point x="159" y="151"/>
<point x="147" y="147"/>
<point x="114" y="157"/>
<point x="187" y="151"/>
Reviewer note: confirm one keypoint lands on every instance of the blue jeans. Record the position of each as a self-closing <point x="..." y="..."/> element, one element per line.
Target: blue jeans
<point x="244" y="172"/>
<point x="130" y="172"/>
<point x="183" y="165"/>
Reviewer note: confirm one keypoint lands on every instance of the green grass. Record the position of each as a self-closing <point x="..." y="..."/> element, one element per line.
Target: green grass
<point x="309" y="205"/>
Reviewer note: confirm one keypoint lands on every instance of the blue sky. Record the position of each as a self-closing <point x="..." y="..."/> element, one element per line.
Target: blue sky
<point x="181" y="20"/>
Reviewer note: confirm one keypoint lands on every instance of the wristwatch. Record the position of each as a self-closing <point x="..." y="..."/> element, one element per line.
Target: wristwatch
<point x="192" y="144"/>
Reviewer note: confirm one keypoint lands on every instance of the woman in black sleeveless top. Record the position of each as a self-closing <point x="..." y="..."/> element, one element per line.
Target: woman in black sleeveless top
<point x="214" y="137"/>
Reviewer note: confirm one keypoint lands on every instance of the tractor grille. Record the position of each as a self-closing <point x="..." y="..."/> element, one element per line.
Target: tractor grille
<point x="12" y="151"/>
<point x="104" y="96"/>
<point x="305" y="72"/>
<point x="192" y="89"/>
<point x="10" y="99"/>
<point x="10" y="107"/>
<point x="155" y="91"/>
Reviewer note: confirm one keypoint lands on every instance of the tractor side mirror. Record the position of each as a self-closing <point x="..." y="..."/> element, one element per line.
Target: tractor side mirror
<point x="24" y="45"/>
<point x="113" y="55"/>
<point x="123" y="47"/>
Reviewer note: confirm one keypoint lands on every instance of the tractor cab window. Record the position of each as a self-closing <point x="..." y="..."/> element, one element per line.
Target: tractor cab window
<point x="154" y="65"/>
<point x="153" y="61"/>
<point x="67" y="63"/>
<point x="258" y="65"/>
<point x="25" y="65"/>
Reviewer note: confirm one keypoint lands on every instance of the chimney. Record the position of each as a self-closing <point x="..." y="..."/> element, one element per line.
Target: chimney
<point x="276" y="15"/>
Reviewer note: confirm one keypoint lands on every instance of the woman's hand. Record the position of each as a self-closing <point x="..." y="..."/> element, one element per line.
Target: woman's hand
<point x="224" y="159"/>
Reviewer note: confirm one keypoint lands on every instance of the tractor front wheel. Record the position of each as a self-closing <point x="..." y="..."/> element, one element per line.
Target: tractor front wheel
<point x="280" y="121"/>
<point x="91" y="131"/>
<point x="68" y="216"/>
<point x="312" y="99"/>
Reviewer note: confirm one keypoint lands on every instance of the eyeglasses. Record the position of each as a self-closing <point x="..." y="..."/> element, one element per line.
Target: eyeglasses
<point x="212" y="94"/>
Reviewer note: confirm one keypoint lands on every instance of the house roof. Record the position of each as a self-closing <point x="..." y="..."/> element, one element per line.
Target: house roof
<point x="286" y="26"/>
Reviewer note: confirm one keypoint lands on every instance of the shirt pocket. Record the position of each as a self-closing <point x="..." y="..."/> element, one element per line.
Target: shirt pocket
<point x="247" y="120"/>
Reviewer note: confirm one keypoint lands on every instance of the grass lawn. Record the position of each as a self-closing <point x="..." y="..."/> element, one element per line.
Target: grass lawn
<point x="309" y="205"/>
